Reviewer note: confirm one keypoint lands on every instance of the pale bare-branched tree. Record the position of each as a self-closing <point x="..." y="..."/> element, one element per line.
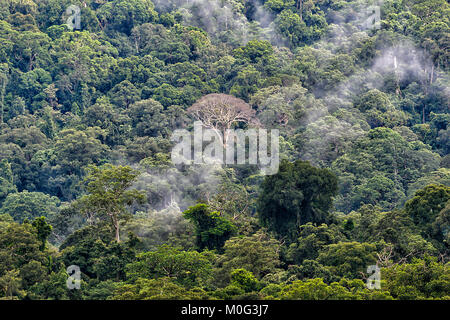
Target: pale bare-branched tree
<point x="385" y="256"/>
<point x="220" y="112"/>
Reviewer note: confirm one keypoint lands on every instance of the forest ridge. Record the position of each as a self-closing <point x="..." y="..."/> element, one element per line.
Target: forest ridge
<point x="92" y="206"/>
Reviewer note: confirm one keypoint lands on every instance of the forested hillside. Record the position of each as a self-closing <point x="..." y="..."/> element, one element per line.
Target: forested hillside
<point x="87" y="181"/>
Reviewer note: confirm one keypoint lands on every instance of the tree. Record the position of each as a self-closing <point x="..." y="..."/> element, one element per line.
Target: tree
<point x="187" y="268"/>
<point x="6" y="180"/>
<point x="300" y="29"/>
<point x="103" y="115"/>
<point x="76" y="149"/>
<point x="124" y="15"/>
<point x="54" y="287"/>
<point x="156" y="289"/>
<point x="379" y="110"/>
<point x="211" y="229"/>
<point x="398" y="235"/>
<point x="32" y="273"/>
<point x="311" y="240"/>
<point x="11" y="283"/>
<point x="378" y="166"/>
<point x="232" y="200"/>
<point x="329" y="137"/>
<point x="244" y="279"/>
<point x="299" y="193"/>
<point x="420" y="279"/>
<point x="220" y="112"/>
<point x="280" y="106"/>
<point x="4" y="70"/>
<point x="348" y="259"/>
<point x="30" y="205"/>
<point x="148" y="118"/>
<point x="310" y="269"/>
<point x="109" y="193"/>
<point x="369" y="106"/>
<point x="124" y="94"/>
<point x="316" y="289"/>
<point x="18" y="146"/>
<point x="258" y="254"/>
<point x="425" y="206"/>
<point x="98" y="257"/>
<point x="255" y="51"/>
<point x="43" y="230"/>
<point x="167" y="226"/>
<point x="440" y="227"/>
<point x="19" y="245"/>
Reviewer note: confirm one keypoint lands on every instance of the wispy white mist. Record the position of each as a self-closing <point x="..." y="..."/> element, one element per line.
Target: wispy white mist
<point x="173" y="187"/>
<point x="402" y="61"/>
<point x="223" y="19"/>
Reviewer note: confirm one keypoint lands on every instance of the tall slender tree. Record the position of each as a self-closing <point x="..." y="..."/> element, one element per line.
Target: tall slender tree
<point x="109" y="194"/>
<point x="4" y="71"/>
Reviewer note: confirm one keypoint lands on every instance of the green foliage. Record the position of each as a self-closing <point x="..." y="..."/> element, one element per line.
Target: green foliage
<point x="348" y="259"/>
<point x="424" y="208"/>
<point x="366" y="107"/>
<point x="299" y="193"/>
<point x="229" y="292"/>
<point x="157" y="289"/>
<point x="6" y="180"/>
<point x="10" y="283"/>
<point x="255" y="51"/>
<point x="54" y="287"/>
<point x="311" y="240"/>
<point x="94" y="250"/>
<point x="165" y="227"/>
<point x="244" y="279"/>
<point x="148" y="118"/>
<point x="421" y="279"/>
<point x="299" y="31"/>
<point x="43" y="230"/>
<point x="377" y="168"/>
<point x="212" y="230"/>
<point x="29" y="205"/>
<point x="258" y="254"/>
<point x="122" y="15"/>
<point x="109" y="193"/>
<point x="77" y="149"/>
<point x="310" y="269"/>
<point x="187" y="268"/>
<point x="20" y="246"/>
<point x="379" y="110"/>
<point x="316" y="289"/>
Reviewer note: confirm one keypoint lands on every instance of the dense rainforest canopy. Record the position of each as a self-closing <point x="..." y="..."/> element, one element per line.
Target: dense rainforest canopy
<point x="92" y="90"/>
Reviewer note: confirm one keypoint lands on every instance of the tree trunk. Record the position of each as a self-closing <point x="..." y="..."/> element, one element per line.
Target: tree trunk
<point x="117" y="234"/>
<point x="423" y="114"/>
<point x="432" y="74"/>
<point x="117" y="228"/>
<point x="2" y="98"/>
<point x="300" y="8"/>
